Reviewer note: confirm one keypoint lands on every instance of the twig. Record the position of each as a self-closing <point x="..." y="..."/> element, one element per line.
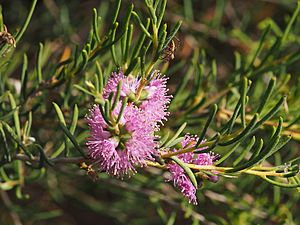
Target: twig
<point x="71" y="160"/>
<point x="257" y="170"/>
<point x="9" y="205"/>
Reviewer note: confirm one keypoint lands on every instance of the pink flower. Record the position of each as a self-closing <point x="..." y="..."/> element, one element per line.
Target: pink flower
<point x="152" y="98"/>
<point x="156" y="100"/>
<point x="181" y="180"/>
<point x="178" y="175"/>
<point x="119" y="148"/>
<point x="118" y="151"/>
<point x="128" y="88"/>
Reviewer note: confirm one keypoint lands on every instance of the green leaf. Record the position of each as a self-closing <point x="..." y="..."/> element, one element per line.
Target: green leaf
<point x="27" y="20"/>
<point x="74" y="119"/>
<point x="281" y="184"/>
<point x="212" y="114"/>
<point x="267" y="94"/>
<point x="164" y="139"/>
<point x="112" y="47"/>
<point x="172" y="219"/>
<point x="24" y="77"/>
<point x="244" y="151"/>
<point x="161" y="12"/>
<point x="243" y="134"/>
<point x="144" y="28"/>
<point x="7" y="156"/>
<point x="117" y="97"/>
<point x="172" y="34"/>
<point x="251" y="161"/>
<point x="83" y="90"/>
<point x="8" y="115"/>
<point x="270" y="114"/>
<point x="128" y="42"/>
<point x="259" y="48"/>
<point x="124" y="103"/>
<point x="39" y="64"/>
<point x="28" y="129"/>
<point x="174" y="142"/>
<point x="15" y="115"/>
<point x="96" y="25"/>
<point x="178" y="132"/>
<point x="1" y="20"/>
<point x="228" y="153"/>
<point x="116" y="11"/>
<point x="161" y="40"/>
<point x="188" y="171"/>
<point x="72" y="138"/>
<point x="292" y="20"/>
<point x="59" y="113"/>
<point x="16" y="138"/>
<point x="243" y="87"/>
<point x="140" y="42"/>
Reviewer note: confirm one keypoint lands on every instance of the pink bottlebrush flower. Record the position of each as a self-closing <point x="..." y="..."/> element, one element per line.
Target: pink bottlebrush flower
<point x="181" y="180"/>
<point x="152" y="99"/>
<point x="128" y="88"/>
<point x="178" y="175"/>
<point x="204" y="159"/>
<point x="118" y="153"/>
<point x="156" y="100"/>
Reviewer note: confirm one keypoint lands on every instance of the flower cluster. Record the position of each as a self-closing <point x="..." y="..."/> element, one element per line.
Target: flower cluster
<point x="122" y="131"/>
<point x="178" y="175"/>
<point x="128" y="141"/>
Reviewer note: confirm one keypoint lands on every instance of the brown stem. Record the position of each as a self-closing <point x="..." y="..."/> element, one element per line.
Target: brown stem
<point x="71" y="160"/>
<point x="9" y="205"/>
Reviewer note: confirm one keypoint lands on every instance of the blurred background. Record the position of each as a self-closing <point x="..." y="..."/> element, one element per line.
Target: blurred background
<point x="67" y="196"/>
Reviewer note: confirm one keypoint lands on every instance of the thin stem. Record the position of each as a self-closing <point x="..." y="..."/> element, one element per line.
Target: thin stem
<point x="202" y="145"/>
<point x="289" y="26"/>
<point x="185" y="150"/>
<point x="9" y="205"/>
<point x="263" y="173"/>
<point x="140" y="89"/>
<point x="25" y="25"/>
<point x="70" y="160"/>
<point x="267" y="171"/>
<point x="150" y="67"/>
<point x="257" y="171"/>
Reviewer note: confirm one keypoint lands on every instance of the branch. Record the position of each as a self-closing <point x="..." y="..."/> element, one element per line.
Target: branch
<point x="70" y="160"/>
<point x="9" y="205"/>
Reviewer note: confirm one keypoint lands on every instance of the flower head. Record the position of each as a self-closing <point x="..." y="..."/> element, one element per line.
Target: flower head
<point x="150" y="97"/>
<point x="178" y="175"/>
<point x="181" y="180"/>
<point x="118" y="151"/>
<point x="117" y="146"/>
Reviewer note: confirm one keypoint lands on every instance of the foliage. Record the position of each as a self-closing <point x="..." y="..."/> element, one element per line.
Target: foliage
<point x="248" y="115"/>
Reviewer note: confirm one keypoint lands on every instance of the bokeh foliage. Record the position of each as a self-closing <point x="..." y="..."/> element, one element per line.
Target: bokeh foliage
<point x="228" y="50"/>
